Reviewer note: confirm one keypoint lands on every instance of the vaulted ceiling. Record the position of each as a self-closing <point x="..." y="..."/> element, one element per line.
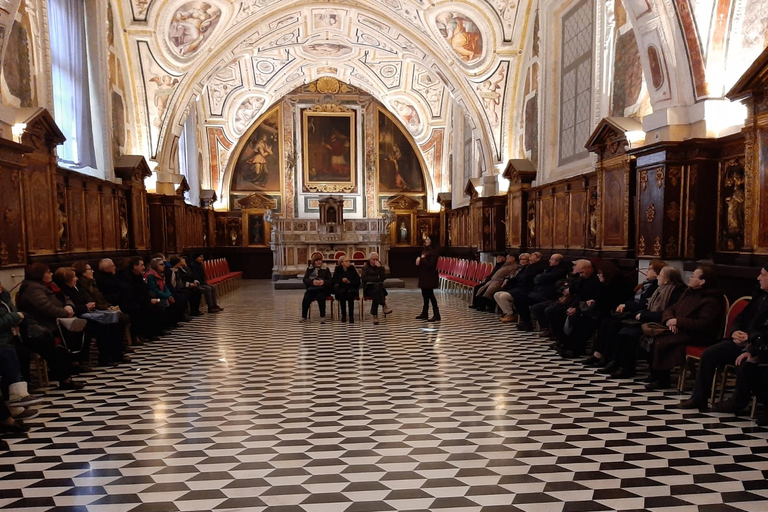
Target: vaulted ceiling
<point x="418" y="58"/>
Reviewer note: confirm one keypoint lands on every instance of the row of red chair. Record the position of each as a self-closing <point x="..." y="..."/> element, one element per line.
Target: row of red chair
<point x="462" y="274"/>
<point x="217" y="274"/>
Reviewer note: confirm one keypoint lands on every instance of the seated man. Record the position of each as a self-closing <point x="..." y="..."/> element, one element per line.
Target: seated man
<point x="318" y="281"/>
<point x="748" y="328"/>
<point x="183" y="282"/>
<point x="477" y="298"/>
<point x="209" y="292"/>
<point x="519" y="286"/>
<point x="373" y="276"/>
<point x="545" y="291"/>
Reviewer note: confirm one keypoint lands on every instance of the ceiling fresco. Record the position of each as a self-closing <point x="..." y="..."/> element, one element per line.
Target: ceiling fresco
<point x="239" y="58"/>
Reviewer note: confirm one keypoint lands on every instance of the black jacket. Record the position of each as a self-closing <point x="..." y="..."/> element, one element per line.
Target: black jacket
<point x="640" y="302"/>
<point x="523" y="281"/>
<point x="313" y="273"/>
<point x="198" y="272"/>
<point x="114" y="289"/>
<point x="545" y="284"/>
<point x="342" y="288"/>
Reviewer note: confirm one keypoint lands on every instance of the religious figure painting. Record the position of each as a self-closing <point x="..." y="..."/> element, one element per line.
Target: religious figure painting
<point x="403" y="229"/>
<point x="191" y="25"/>
<point x="258" y="165"/>
<point x="329" y="148"/>
<point x="399" y="166"/>
<point x="257" y="227"/>
<point x="462" y="35"/>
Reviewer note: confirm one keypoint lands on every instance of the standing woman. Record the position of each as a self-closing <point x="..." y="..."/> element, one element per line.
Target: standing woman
<point x="429" y="278"/>
<point x="346" y="283"/>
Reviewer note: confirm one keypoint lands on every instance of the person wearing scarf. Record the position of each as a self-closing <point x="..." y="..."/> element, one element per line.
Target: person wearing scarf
<point x="155" y="278"/>
<point x="42" y="302"/>
<point x="621" y="350"/>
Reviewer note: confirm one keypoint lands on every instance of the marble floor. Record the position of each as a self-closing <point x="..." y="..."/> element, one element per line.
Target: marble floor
<point x="252" y="410"/>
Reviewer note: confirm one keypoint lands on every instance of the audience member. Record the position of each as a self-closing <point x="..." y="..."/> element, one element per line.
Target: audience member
<point x="346" y="284"/>
<point x="373" y="276"/>
<point x="485" y="293"/>
<point x="696" y="318"/>
<point x="545" y="291"/>
<point x="318" y="281"/>
<point x="501" y="259"/>
<point x="749" y="331"/>
<point x="575" y="319"/>
<point x="209" y="292"/>
<point x="517" y="288"/>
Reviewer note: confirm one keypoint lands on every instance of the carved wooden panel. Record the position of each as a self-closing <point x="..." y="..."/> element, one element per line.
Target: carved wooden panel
<point x="577" y="219"/>
<point x="515" y="226"/>
<point x="39" y="190"/>
<point x="76" y="216"/>
<point x="109" y="224"/>
<point x="615" y="206"/>
<point x="650" y="193"/>
<point x="546" y="215"/>
<point x="13" y="249"/>
<point x="94" y="221"/>
<point x="562" y="207"/>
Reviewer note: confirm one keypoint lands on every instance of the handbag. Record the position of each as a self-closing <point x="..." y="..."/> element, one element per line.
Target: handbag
<point x="102" y="316"/>
<point x="653" y="329"/>
<point x="569" y="325"/>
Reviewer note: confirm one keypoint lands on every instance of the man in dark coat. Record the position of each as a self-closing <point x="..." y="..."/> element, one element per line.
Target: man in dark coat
<point x="519" y="286"/>
<point x="477" y="301"/>
<point x="748" y="328"/>
<point x="545" y="291"/>
<point x="584" y="289"/>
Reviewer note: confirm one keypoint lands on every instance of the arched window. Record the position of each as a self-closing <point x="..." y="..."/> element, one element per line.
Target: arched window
<point x="70" y="81"/>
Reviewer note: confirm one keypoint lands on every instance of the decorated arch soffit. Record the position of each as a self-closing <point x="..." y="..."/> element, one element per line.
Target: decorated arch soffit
<point x="240" y="58"/>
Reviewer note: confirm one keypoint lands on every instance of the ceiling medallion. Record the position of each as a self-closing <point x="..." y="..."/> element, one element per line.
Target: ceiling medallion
<point x="328" y="85"/>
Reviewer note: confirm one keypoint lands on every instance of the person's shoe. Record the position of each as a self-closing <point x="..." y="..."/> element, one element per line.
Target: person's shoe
<point x="322" y="319"/>
<point x="386" y="310"/>
<point x="26" y="414"/>
<point x="125" y="359"/>
<point x="508" y="319"/>
<point x="435" y="318"/>
<point x="303" y="320"/>
<point x="690" y="404"/>
<point x="569" y="354"/>
<point x="608" y="369"/>
<point x="623" y="373"/>
<point x="343" y="319"/>
<point x="657" y="384"/>
<point x="215" y="309"/>
<point x="524" y="327"/>
<point x="196" y="313"/>
<point x="153" y="337"/>
<point x="375" y="319"/>
<point x="424" y="314"/>
<point x="727" y="406"/>
<point x="352" y="319"/>
<point x="545" y="333"/>
<point x="13" y="427"/>
<point x="592" y="361"/>
<point x="70" y="384"/>
<point x="26" y="401"/>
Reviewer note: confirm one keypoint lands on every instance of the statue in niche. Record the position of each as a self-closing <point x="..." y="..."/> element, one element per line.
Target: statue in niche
<point x="331" y="215"/>
<point x="735" y="202"/>
<point x="403" y="233"/>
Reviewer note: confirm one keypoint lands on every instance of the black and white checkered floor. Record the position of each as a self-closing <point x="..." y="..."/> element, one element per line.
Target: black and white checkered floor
<point x="251" y="410"/>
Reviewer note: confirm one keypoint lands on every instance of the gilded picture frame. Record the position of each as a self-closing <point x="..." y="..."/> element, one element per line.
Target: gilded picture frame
<point x="256" y="229"/>
<point x="329" y="151"/>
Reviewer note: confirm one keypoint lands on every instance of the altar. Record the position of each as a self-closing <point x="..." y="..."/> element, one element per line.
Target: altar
<point x="293" y="241"/>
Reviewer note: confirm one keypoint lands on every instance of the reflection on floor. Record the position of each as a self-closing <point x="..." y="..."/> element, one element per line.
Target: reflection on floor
<point x="251" y="410"/>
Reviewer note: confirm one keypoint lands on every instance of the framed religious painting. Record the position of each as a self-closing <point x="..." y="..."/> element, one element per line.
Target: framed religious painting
<point x="256" y="228"/>
<point x="259" y="165"/>
<point x="399" y="165"/>
<point x="329" y="150"/>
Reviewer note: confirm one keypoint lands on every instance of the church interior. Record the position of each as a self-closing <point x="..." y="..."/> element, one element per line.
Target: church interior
<point x="258" y="133"/>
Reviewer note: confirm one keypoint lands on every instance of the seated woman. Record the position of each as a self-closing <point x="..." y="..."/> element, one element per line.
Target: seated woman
<point x="373" y="276"/>
<point x="346" y="283"/>
<point x="14" y="388"/>
<point x="318" y="280"/>
<point x="695" y="319"/>
<point x="621" y="350"/>
<point x="42" y="303"/>
<point x="612" y="324"/>
<point x="155" y="278"/>
<point x="81" y="290"/>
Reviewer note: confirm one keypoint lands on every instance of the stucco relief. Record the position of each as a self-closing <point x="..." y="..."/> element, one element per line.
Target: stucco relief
<point x="323" y="19"/>
<point x="160" y="87"/>
<point x="462" y="35"/>
<point x="507" y="11"/>
<point x="191" y="25"/>
<point x="328" y="49"/>
<point x="246" y="112"/>
<point x="429" y="88"/>
<point x="140" y="9"/>
<point x="388" y="72"/>
<point x="409" y="115"/>
<point x="226" y="81"/>
<point x="265" y="67"/>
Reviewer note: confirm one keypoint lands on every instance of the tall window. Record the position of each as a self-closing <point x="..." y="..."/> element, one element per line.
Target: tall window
<point x="576" y="81"/>
<point x="70" y="76"/>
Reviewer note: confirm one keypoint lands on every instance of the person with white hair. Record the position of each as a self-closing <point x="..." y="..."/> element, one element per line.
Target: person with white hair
<point x="373" y="276"/>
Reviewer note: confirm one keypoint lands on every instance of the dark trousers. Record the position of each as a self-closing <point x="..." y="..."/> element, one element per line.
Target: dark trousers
<point x="583" y="329"/>
<point x="194" y="294"/>
<point x="539" y="312"/>
<point x="378" y="294"/>
<point x="10" y="372"/>
<point x="428" y="296"/>
<point x="607" y="332"/>
<point x="750" y="378"/>
<point x="625" y="346"/>
<point x="109" y="339"/>
<point x="347" y="303"/>
<point x="477" y="301"/>
<point x="59" y="359"/>
<point x="523" y="305"/>
<point x="211" y="297"/>
<point x="714" y="357"/>
<point x="556" y="315"/>
<point x="318" y="294"/>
